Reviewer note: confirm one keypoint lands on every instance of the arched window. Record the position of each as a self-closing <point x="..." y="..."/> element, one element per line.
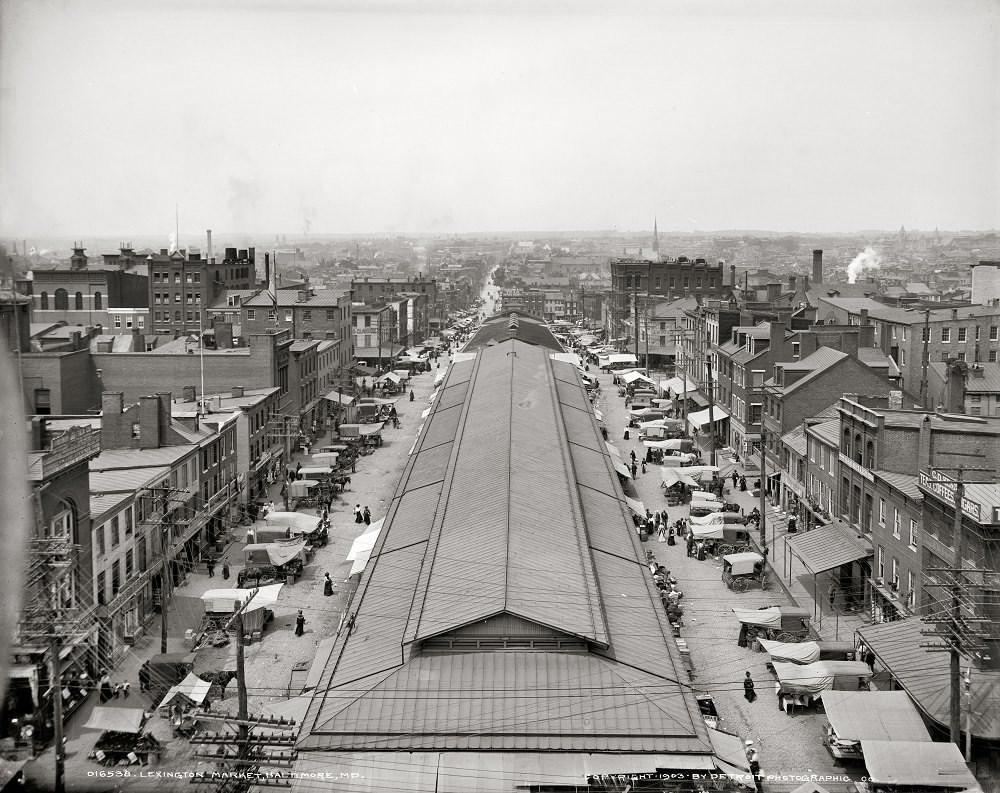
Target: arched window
<point x="62" y="300"/>
<point x="98" y="303"/>
<point x="45" y="301"/>
<point x="79" y="301"/>
<point x="847" y="443"/>
<point x="858" y="448"/>
<point x="870" y="455"/>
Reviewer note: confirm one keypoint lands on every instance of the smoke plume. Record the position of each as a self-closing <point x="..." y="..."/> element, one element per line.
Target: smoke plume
<point x="868" y="259"/>
<point x="172" y="240"/>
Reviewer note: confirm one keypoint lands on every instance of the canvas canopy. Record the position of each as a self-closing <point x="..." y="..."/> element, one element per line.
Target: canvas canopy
<point x="621" y="468"/>
<point x="339" y="398"/>
<point x="665" y="423"/>
<point x="605" y="360"/>
<point x="273" y="553"/>
<point x="715" y="519"/>
<point x="674" y="444"/>
<point x="300" y="488"/>
<point x="791" y="652"/>
<point x="917" y="764"/>
<point x="874" y="715"/>
<point x="390" y="377"/>
<point x="402" y="374"/>
<point x="700" y="418"/>
<point x="362" y="547"/>
<point x="651" y="414"/>
<point x="674" y="476"/>
<point x="730" y="756"/>
<point x="223" y="601"/>
<point x="440" y="376"/>
<point x="677" y="386"/>
<point x="818" y="676"/>
<point x="325" y="457"/>
<point x="631" y="377"/>
<point x="192" y="690"/>
<point x="115" y="719"/>
<point x="295" y="520"/>
<point x="315" y="471"/>
<point x="715" y="506"/>
<point x="636" y="506"/>
<point x="766" y="618"/>
<point x="712" y="531"/>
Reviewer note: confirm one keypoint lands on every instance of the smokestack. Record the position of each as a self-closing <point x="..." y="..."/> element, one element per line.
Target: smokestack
<point x="208" y="233"/>
<point x="817" y="266"/>
<point x="267" y="269"/>
<point x="732" y="275"/>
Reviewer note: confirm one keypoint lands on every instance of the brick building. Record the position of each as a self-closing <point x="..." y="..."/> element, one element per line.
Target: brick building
<point x="375" y="291"/>
<point x="958" y="387"/>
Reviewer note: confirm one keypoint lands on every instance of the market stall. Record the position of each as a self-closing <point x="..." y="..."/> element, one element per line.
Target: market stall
<point x="869" y="716"/>
<point x="122" y="740"/>
<point x="906" y="766"/>
<point x="803" y="684"/>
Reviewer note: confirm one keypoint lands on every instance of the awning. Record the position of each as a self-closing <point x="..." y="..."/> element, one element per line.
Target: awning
<point x="677" y="386"/>
<point x="917" y="764"/>
<point x="731" y="757"/>
<point x="631" y="377"/>
<point x="698" y="399"/>
<point x="362" y="547"/>
<point x="923" y="673"/>
<point x="424" y="414"/>
<point x="673" y="476"/>
<point x="828" y="547"/>
<point x="392" y="376"/>
<point x="700" y="418"/>
<point x="621" y="468"/>
<point x="874" y="716"/>
<point x="224" y="600"/>
<point x="115" y="719"/>
<point x="440" y="376"/>
<point x="325" y="457"/>
<point x="636" y="506"/>
<point x="293" y="709"/>
<point x="276" y="553"/>
<point x="323" y="651"/>
<point x="818" y="676"/>
<point x="192" y="688"/>
<point x="793" y="652"/>
<point x="340" y="398"/>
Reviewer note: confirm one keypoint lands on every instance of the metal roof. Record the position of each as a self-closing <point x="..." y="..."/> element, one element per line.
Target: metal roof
<point x="917" y="764"/>
<point x="530" y="330"/>
<point x="924" y="674"/>
<point x="509" y="480"/>
<point x="108" y="489"/>
<point x="815" y="364"/>
<point x="904" y="483"/>
<point x="874" y="715"/>
<point x="989" y="383"/>
<point x="828" y="547"/>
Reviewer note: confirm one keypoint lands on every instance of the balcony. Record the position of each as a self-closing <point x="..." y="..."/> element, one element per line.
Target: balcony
<point x="76" y="445"/>
<point x="857" y="467"/>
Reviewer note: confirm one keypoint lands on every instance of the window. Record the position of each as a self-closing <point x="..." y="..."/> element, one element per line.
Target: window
<point x="881" y="512"/>
<point x="128" y="522"/>
<point x="251" y="314"/>
<point x="128" y="320"/>
<point x="896" y="521"/>
<point x="78" y="301"/>
<point x="912" y="542"/>
<point x="177" y="297"/>
<point x="99" y="536"/>
<point x="895" y="575"/>
<point x="962" y="334"/>
<point x="368" y="320"/>
<point x="115" y="530"/>
<point x="116" y="577"/>
<point x="102" y="586"/>
<point x="961" y="356"/>
<point x="45" y="301"/>
<point x="129" y="563"/>
<point x="977" y="333"/>
<point x="197" y="277"/>
<point x="43" y="401"/>
<point x="136" y="431"/>
<point x="331" y="315"/>
<point x="118" y="320"/>
<point x="945" y="335"/>
<point x="62" y="300"/>
<point x="993" y="356"/>
<point x="881" y="563"/>
<point x="177" y="316"/>
<point x="994" y="333"/>
<point x="141" y="321"/>
<point x="910" y="594"/>
<point x="307" y="316"/>
<point x="271" y="314"/>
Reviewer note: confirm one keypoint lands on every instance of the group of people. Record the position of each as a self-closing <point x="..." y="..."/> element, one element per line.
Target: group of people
<point x="107" y="690"/>
<point x="362" y="515"/>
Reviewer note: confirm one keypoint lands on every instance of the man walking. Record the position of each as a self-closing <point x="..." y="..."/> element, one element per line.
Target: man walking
<point x="210" y="564"/>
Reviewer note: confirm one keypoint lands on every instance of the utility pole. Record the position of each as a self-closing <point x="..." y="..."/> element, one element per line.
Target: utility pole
<point x="968" y="713"/>
<point x="763" y="478"/>
<point x="635" y="309"/>
<point x="711" y="405"/>
<point x="924" y="359"/>
<point x="243" y="712"/>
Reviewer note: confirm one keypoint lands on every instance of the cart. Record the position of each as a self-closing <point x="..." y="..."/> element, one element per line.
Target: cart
<point x="274" y="561"/>
<point x="740" y="571"/>
<point x="779" y="623"/>
<point x="305" y="492"/>
<point x="720" y="537"/>
<point x="803" y="684"/>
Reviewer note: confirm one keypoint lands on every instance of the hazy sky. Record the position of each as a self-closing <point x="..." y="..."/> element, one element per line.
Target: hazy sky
<point x="370" y="116"/>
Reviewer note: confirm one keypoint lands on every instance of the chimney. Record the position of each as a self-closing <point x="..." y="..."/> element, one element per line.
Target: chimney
<point x="267" y="269"/>
<point x="112" y="403"/>
<point x="208" y="233"/>
<point x="776" y="334"/>
<point x="864" y="317"/>
<point x="149" y="422"/>
<point x="251" y="255"/>
<point x="805" y="283"/>
<point x="808" y="344"/>
<point x="223" y="335"/>
<point x="231" y="254"/>
<point x="924" y="444"/>
<point x="237" y="392"/>
<point x="954" y="313"/>
<point x="791" y="283"/>
<point x="955" y="388"/>
<point x="165" y="398"/>
<point x="773" y="292"/>
<point x="188" y="393"/>
<point x="732" y="275"/>
<point x="817" y="266"/>
<point x="303" y="296"/>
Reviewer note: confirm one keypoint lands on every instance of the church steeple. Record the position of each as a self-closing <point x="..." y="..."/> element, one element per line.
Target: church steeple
<point x="656" y="237"/>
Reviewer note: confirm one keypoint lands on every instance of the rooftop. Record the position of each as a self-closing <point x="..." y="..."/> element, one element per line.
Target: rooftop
<point x="108" y="489"/>
<point x="814" y="364"/>
<point x="289" y="298"/>
<point x="988" y="383"/>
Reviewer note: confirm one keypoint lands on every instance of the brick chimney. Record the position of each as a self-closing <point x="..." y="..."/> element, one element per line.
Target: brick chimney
<point x="149" y="422"/>
<point x="223" y="335"/>
<point x="924" y="444"/>
<point x="732" y="275"/>
<point x="189" y="393"/>
<point x="817" y="266"/>
<point x="955" y="387"/>
<point x="773" y="292"/>
<point x="776" y="334"/>
<point x="112" y="403"/>
<point x="165" y="399"/>
<point x="808" y="344"/>
<point x="237" y="392"/>
<point x="791" y="283"/>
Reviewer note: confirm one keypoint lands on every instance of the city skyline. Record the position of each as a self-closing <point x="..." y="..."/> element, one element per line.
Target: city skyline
<point x="373" y="119"/>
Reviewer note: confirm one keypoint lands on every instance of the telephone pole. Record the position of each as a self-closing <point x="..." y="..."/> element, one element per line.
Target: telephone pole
<point x="711" y="405"/>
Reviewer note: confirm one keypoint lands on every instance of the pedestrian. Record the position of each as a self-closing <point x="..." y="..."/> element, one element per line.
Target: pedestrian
<point x="367" y="517"/>
<point x="225" y="568"/>
<point x="666" y="519"/>
<point x="792" y="526"/>
<point x="358" y="517"/>
<point x="690" y="545"/>
<point x="125" y="689"/>
<point x="670" y="536"/>
<point x="327" y="585"/>
<point x="869" y="658"/>
<point x="635" y="470"/>
<point x="743" y="484"/>
<point x="754" y="763"/>
<point x="748" y="691"/>
<point x="210" y="564"/>
<point x="625" y="437"/>
<point x="833" y="595"/>
<point x="644" y="466"/>
<point x="104" y="687"/>
<point x="633" y="456"/>
<point x="412" y="395"/>
<point x="270" y="507"/>
<point x="144" y="677"/>
<point x="742" y="639"/>
<point x="300" y="625"/>
<point x="736" y="479"/>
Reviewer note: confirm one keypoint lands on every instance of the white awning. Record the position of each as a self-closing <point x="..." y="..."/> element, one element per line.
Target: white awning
<point x="621" y="468"/>
<point x="677" y="386"/>
<point x="440" y="376"/>
<point x="425" y="413"/>
<point x="636" y="506"/>
<point x="340" y="398"/>
<point x="224" y="600"/>
<point x="116" y="719"/>
<point x="631" y="377"/>
<point x="700" y="418"/>
<point x="362" y="547"/>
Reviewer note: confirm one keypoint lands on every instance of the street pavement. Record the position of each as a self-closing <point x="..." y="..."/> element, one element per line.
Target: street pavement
<point x="790" y="746"/>
<point x="269" y="662"/>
